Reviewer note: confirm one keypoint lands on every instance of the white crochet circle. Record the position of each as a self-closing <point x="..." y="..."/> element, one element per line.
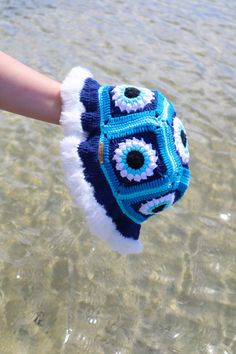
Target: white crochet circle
<point x="182" y="150"/>
<point x="145" y="149"/>
<point x="131" y="104"/>
<point x="148" y="207"/>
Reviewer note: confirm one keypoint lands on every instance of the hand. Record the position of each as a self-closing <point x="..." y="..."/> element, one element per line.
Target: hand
<point x="26" y="92"/>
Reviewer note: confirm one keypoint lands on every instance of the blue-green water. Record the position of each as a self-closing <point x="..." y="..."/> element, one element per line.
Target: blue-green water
<point x="61" y="290"/>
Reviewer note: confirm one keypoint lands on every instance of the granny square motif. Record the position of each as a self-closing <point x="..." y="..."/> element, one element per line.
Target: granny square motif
<point x="125" y="156"/>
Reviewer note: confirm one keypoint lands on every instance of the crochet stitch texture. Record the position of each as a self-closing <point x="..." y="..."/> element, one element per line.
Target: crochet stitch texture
<point x="125" y="156"/>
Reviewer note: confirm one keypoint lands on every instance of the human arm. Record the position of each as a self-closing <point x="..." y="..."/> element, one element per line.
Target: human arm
<point x="26" y="92"/>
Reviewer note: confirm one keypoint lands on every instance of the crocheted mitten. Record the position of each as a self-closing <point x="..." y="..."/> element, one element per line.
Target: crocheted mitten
<point x="125" y="156"/>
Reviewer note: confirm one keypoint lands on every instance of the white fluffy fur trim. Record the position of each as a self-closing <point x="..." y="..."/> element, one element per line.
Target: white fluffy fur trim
<point x="100" y="224"/>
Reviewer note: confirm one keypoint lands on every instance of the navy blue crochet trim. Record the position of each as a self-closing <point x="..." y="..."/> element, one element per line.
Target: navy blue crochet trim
<point x="90" y="119"/>
<point x="88" y="152"/>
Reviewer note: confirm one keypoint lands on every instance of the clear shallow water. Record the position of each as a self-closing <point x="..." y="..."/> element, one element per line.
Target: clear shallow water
<point x="62" y="291"/>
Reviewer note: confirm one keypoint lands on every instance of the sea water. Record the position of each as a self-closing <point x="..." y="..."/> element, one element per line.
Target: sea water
<point x="63" y="291"/>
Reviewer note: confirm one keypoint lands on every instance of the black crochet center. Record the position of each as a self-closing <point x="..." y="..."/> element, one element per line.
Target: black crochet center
<point x="131" y="92"/>
<point x="135" y="159"/>
<point x="159" y="208"/>
<point x="183" y="138"/>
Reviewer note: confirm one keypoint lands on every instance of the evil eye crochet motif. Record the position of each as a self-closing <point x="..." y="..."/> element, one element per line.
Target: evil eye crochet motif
<point x="125" y="156"/>
<point x="131" y="98"/>
<point x="135" y="159"/>
<point x="156" y="205"/>
<point x="181" y="141"/>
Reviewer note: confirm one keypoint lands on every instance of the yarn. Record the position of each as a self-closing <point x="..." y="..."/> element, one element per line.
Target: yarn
<point x="130" y="152"/>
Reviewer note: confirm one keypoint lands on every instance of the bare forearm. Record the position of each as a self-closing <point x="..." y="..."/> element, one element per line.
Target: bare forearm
<point x="26" y="92"/>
